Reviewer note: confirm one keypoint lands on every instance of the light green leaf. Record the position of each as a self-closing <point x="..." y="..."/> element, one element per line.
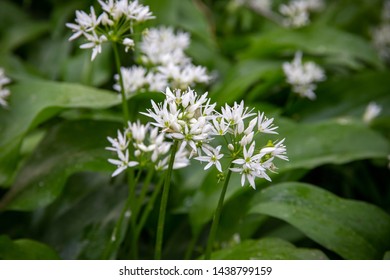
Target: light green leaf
<point x="352" y="229"/>
<point x="267" y="249"/>
<point x="67" y="148"/>
<point x="34" y="101"/>
<point x="25" y="249"/>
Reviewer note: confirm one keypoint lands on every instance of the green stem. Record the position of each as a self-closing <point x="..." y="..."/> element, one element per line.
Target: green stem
<point x="133" y="206"/>
<point x="116" y="236"/>
<point x="164" y="201"/>
<point x="191" y="246"/>
<point x="149" y="207"/>
<point x="217" y="215"/>
<point x="125" y="107"/>
<point x="143" y="193"/>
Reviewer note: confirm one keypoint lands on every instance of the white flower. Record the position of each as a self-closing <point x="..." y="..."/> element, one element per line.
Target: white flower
<point x="122" y="163"/>
<point x="95" y="43"/>
<point x="161" y="46"/>
<point x="297" y="11"/>
<point x="276" y="150"/>
<point x="248" y="159"/>
<point x="128" y="43"/>
<point x="138" y="12"/>
<point x="134" y="79"/>
<point x="212" y="158"/>
<point x="4" y="92"/>
<point x="265" y="125"/>
<point x="302" y="76"/>
<point x="118" y="144"/>
<point x="371" y="112"/>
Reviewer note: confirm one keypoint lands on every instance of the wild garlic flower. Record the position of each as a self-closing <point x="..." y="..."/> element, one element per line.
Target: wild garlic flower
<point x="142" y="145"/>
<point x="192" y="120"/>
<point x="372" y="111"/>
<point x="297" y="12"/>
<point x="184" y="116"/>
<point x="4" y="92"/>
<point x="115" y="24"/>
<point x="302" y="76"/>
<point x="163" y="64"/>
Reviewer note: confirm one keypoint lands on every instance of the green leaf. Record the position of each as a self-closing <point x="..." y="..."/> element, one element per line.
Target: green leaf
<point x="243" y="76"/>
<point x="32" y="102"/>
<point x="67" y="148"/>
<point x="79" y="224"/>
<point x="347" y="97"/>
<point x="352" y="229"/>
<point x="347" y="48"/>
<point x="267" y="249"/>
<point x="25" y="249"/>
<point x="314" y="144"/>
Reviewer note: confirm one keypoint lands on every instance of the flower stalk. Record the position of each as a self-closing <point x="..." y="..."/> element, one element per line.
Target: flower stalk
<point x="164" y="201"/>
<point x="217" y="215"/>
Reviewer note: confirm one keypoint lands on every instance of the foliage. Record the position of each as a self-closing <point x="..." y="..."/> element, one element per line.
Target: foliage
<point x="331" y="200"/>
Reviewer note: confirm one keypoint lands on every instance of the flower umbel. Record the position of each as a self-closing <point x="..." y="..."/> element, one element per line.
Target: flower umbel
<point x="302" y="76"/>
<point x="115" y="24"/>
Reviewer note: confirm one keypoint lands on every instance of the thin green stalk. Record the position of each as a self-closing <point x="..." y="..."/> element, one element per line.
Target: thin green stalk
<point x="149" y="207"/>
<point x="143" y="193"/>
<point x="164" y="201"/>
<point x="132" y="198"/>
<point x="125" y="107"/>
<point x="217" y="215"/>
<point x="116" y="236"/>
<point x="191" y="246"/>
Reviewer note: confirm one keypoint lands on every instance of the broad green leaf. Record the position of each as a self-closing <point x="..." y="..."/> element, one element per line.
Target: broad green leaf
<point x="79" y="224"/>
<point x="352" y="229"/>
<point x="34" y="101"/>
<point x="267" y="249"/>
<point x="314" y="144"/>
<point x="67" y="148"/>
<point x="25" y="249"/>
<point x="243" y="76"/>
<point x="347" y="97"/>
<point x="387" y="256"/>
<point x="315" y="39"/>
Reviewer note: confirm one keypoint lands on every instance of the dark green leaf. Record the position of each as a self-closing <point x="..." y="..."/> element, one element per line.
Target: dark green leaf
<point x="25" y="249"/>
<point x="346" y="47"/>
<point x="352" y="229"/>
<point x="33" y="102"/>
<point x="267" y="249"/>
<point x="68" y="148"/>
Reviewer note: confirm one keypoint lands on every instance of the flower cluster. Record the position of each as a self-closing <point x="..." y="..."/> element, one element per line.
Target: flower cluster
<point x="115" y="24"/>
<point x="302" y="76"/>
<point x="4" y="92"/>
<point x="297" y="12"/>
<point x="141" y="145"/>
<point x="381" y="34"/>
<point x="192" y="120"/>
<point x="165" y="64"/>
